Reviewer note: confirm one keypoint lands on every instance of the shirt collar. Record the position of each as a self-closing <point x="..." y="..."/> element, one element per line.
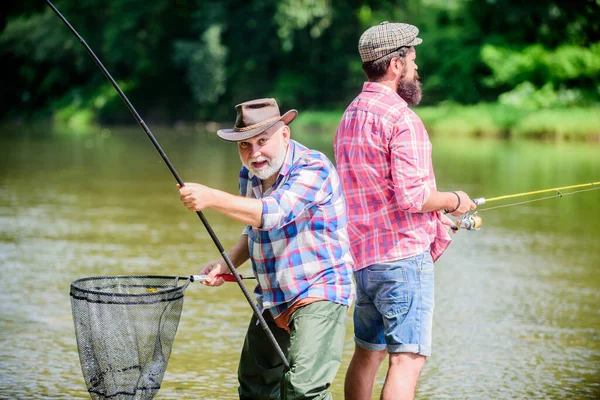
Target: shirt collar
<point x="376" y="87"/>
<point x="289" y="160"/>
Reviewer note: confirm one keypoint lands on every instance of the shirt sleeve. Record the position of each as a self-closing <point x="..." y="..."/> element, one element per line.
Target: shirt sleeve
<point x="307" y="184"/>
<point x="410" y="152"/>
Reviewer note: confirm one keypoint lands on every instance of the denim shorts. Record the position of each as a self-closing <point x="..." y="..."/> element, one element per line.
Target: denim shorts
<point x="394" y="306"/>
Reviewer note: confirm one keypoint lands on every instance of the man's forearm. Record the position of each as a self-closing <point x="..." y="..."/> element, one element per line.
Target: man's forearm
<point x="440" y="201"/>
<point x="239" y="253"/>
<point x="243" y="209"/>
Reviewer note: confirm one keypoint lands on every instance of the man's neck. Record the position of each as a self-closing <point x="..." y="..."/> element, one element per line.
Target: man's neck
<point x="391" y="83"/>
<point x="267" y="183"/>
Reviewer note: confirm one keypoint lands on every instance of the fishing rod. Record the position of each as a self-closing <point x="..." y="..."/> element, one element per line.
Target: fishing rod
<point x="472" y="221"/>
<point x="163" y="155"/>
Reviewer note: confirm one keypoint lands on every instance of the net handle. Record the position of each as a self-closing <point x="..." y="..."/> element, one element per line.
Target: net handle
<point x="226" y="278"/>
<point x="212" y="234"/>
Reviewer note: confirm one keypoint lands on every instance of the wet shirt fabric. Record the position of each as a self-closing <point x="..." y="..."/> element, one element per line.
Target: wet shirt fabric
<point x="302" y="248"/>
<point x="383" y="157"/>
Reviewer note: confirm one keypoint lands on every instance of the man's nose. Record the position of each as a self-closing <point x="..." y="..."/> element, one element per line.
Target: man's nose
<point x="255" y="151"/>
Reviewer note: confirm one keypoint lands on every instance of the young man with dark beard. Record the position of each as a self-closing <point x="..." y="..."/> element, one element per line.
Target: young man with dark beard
<point x="396" y="225"/>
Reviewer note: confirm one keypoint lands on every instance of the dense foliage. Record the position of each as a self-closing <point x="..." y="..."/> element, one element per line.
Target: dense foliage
<point x="195" y="59"/>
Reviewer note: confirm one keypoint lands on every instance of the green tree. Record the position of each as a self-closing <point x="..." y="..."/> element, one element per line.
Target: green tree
<point x="196" y="59"/>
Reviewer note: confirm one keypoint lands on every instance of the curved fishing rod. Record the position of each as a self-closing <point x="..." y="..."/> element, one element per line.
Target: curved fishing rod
<point x="212" y="234"/>
<point x="472" y="221"/>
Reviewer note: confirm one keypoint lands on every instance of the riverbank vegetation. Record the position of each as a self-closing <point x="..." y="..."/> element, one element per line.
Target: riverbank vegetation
<point x="483" y="120"/>
<point x="502" y="68"/>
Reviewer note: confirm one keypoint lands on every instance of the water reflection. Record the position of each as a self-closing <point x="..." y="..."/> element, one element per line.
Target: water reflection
<point x="517" y="303"/>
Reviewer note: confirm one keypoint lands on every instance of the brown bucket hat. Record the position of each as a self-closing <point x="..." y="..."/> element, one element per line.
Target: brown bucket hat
<point x="254" y="117"/>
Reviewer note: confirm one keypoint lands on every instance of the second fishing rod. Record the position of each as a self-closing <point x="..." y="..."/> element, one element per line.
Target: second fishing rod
<point x="472" y="221"/>
<point x="163" y="155"/>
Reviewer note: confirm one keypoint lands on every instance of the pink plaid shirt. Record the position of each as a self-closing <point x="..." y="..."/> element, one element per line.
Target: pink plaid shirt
<point x="383" y="157"/>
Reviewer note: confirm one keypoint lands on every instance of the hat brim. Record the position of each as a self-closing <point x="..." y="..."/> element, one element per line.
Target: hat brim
<point x="415" y="42"/>
<point x="231" y="135"/>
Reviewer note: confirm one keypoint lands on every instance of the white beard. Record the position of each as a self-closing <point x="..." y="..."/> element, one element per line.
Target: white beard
<point x="273" y="167"/>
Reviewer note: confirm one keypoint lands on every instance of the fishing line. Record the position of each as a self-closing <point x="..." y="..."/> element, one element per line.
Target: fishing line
<point x="209" y="229"/>
<point x="481" y="200"/>
<point x="558" y="195"/>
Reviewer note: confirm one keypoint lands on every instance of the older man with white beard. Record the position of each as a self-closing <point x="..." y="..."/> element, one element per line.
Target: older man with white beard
<point x="295" y="235"/>
<point x="397" y="230"/>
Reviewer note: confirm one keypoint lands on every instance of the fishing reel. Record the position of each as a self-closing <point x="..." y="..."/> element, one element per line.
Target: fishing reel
<point x="470" y="222"/>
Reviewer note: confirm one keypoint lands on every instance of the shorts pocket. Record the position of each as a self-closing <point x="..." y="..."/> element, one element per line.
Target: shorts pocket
<point x="391" y="288"/>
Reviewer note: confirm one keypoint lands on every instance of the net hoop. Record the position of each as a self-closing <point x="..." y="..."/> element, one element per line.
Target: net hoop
<point x="83" y="289"/>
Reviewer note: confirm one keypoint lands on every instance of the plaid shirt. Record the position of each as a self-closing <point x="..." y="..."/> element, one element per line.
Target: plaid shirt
<point x="302" y="248"/>
<point x="383" y="157"/>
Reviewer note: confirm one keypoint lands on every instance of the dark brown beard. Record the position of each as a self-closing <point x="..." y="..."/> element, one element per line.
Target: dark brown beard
<point x="411" y="91"/>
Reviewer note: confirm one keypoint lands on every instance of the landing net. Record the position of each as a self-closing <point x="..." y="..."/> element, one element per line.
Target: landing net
<point x="125" y="327"/>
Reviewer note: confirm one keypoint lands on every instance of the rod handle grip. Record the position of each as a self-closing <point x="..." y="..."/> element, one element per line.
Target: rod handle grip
<point x="228" y="277"/>
<point x="202" y="278"/>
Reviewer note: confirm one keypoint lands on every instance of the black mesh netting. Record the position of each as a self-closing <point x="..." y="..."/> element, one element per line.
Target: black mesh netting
<point x="125" y="327"/>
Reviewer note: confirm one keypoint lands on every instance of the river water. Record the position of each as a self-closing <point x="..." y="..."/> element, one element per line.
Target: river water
<point x="517" y="303"/>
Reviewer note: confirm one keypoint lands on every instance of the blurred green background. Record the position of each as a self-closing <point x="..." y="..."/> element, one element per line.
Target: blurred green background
<point x="495" y="68"/>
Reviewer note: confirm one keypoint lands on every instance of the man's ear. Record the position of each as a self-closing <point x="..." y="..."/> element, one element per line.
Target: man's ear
<point x="397" y="66"/>
<point x="286" y="134"/>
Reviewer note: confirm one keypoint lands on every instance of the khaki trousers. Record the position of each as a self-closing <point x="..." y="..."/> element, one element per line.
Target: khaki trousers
<point x="313" y="349"/>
